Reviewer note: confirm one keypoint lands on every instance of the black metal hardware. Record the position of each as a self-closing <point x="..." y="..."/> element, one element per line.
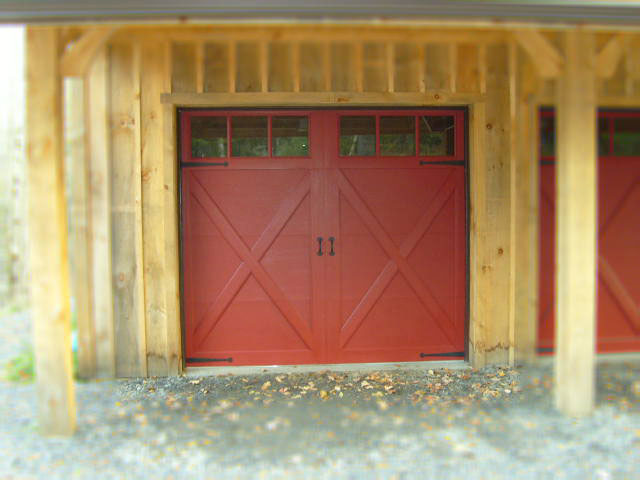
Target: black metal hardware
<point x="547" y="162"/>
<point x="545" y="349"/>
<point x="320" y="246"/>
<point x="332" y="252"/>
<point x="444" y="354"/>
<point x="206" y="360"/>
<point x="443" y="162"/>
<point x="204" y="164"/>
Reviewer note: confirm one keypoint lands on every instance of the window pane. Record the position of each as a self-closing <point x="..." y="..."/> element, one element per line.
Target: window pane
<point x="290" y="136"/>
<point x="357" y="136"/>
<point x="249" y="136"/>
<point x="208" y="137"/>
<point x="626" y="136"/>
<point x="547" y="136"/>
<point x="436" y="136"/>
<point x="397" y="136"/>
<point x="603" y="136"/>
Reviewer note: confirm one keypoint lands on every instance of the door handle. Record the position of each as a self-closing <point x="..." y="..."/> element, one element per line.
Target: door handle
<point x="319" y="246"/>
<point x="332" y="252"/>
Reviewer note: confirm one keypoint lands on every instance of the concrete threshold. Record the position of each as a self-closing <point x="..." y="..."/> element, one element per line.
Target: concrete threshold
<point x="334" y="367"/>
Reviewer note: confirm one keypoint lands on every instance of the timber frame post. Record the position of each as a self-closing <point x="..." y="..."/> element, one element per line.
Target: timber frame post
<point x="47" y="242"/>
<point x="576" y="226"/>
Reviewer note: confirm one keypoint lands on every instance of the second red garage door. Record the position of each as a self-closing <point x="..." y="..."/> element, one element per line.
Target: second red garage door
<point x="618" y="311"/>
<point x="323" y="236"/>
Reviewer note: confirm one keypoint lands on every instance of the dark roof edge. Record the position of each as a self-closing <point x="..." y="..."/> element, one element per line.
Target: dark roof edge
<point x="541" y="11"/>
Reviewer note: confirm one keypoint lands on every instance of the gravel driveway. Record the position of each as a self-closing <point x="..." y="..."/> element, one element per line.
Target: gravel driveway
<point x="494" y="423"/>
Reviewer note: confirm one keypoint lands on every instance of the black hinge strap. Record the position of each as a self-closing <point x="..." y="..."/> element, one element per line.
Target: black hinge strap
<point x="443" y="354"/>
<point x="204" y="164"/>
<point x="205" y="360"/>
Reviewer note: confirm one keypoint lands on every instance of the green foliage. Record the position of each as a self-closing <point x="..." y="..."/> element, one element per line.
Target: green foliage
<point x="249" y="146"/>
<point x="21" y="369"/>
<point x="211" y="148"/>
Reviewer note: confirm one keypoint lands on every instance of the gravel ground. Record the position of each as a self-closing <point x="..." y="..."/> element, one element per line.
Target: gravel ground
<point x="493" y="423"/>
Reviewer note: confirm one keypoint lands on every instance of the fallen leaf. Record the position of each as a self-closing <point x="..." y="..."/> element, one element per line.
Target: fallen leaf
<point x="266" y="385"/>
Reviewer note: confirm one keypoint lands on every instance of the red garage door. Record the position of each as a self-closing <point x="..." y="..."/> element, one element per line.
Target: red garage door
<point x="323" y="237"/>
<point x="618" y="312"/>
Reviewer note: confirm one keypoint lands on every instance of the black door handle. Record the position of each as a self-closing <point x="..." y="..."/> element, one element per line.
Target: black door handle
<point x="332" y="252"/>
<point x="320" y="246"/>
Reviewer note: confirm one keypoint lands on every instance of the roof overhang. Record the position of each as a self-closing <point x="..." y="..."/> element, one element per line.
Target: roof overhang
<point x="585" y="12"/>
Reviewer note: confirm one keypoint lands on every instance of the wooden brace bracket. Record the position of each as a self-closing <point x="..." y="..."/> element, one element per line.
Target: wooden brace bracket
<point x="78" y="56"/>
<point x="548" y="61"/>
<point x="608" y="58"/>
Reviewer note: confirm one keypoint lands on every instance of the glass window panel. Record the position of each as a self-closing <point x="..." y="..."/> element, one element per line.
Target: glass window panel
<point x="249" y="136"/>
<point x="397" y="136"/>
<point x="603" y="136"/>
<point x="208" y="137"/>
<point x="357" y="135"/>
<point x="437" y="136"/>
<point x="626" y="136"/>
<point x="290" y="136"/>
<point x="547" y="136"/>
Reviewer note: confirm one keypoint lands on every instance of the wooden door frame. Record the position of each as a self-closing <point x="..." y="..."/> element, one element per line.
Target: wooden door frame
<point x="475" y="335"/>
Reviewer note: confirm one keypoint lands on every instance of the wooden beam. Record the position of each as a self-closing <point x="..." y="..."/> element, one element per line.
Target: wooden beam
<point x="98" y="159"/>
<point x="433" y="97"/>
<point x="609" y="57"/>
<point x="128" y="280"/>
<point x="153" y="231"/>
<point x="78" y="56"/>
<point x="172" y="242"/>
<point x="477" y="235"/>
<point x="576" y="227"/>
<point x="543" y="54"/>
<point x="48" y="254"/>
<point x="79" y="225"/>
<point x="491" y="180"/>
<point x="524" y="194"/>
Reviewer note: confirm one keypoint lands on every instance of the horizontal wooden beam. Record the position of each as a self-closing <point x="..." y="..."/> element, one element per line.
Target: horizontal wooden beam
<point x="543" y="54"/>
<point x="319" y="98"/>
<point x="609" y="57"/>
<point x="310" y="33"/>
<point x="78" y="56"/>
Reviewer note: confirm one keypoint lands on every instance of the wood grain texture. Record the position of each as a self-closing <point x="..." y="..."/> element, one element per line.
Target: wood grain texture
<point x="576" y="227"/>
<point x="78" y="56"/>
<point x="172" y="243"/>
<point x="128" y="283"/>
<point x="490" y="187"/>
<point x="184" y="74"/>
<point x="49" y="276"/>
<point x="477" y="234"/>
<point x="524" y="226"/>
<point x="98" y="158"/>
<point x="152" y="175"/>
<point x="79" y="225"/>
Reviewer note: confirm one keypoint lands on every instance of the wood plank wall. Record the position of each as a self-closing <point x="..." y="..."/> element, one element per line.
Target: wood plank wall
<point x="320" y="66"/>
<point x="277" y="65"/>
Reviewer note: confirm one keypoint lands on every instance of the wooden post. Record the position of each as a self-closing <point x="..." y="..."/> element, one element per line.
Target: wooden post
<point x="576" y="226"/>
<point x="524" y="225"/>
<point x="48" y="235"/>
<point x="79" y="226"/>
<point x="98" y="158"/>
<point x="152" y="83"/>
